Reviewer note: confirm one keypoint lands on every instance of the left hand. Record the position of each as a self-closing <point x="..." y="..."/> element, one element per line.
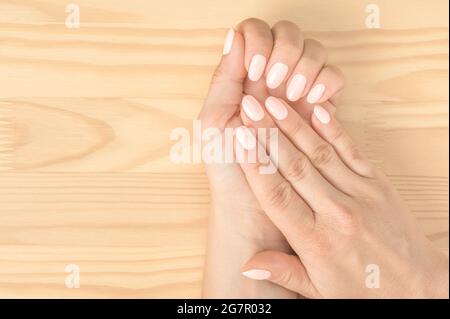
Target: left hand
<point x="236" y="221"/>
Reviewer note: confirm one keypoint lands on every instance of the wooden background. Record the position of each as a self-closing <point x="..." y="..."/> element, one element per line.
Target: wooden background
<point x="85" y="117"/>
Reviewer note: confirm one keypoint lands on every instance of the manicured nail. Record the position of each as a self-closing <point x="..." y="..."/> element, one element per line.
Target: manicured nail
<point x="316" y="93"/>
<point x="257" y="66"/>
<point x="245" y="138"/>
<point x="296" y="87"/>
<point x="322" y="115"/>
<point x="276" y="108"/>
<point x="252" y="108"/>
<point x="228" y="42"/>
<point x="257" y="274"/>
<point x="276" y="75"/>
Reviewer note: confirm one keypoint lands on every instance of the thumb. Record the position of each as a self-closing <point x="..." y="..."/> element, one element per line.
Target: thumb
<point x="281" y="269"/>
<point x="227" y="84"/>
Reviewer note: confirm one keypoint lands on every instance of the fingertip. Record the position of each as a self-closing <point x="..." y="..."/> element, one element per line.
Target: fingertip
<point x="233" y="44"/>
<point x="231" y="64"/>
<point x="257" y="274"/>
<point x="321" y="114"/>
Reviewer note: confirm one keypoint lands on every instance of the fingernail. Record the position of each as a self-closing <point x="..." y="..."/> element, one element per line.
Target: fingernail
<point x="256" y="68"/>
<point x="228" y="42"/>
<point x="276" y="108"/>
<point x="316" y="93"/>
<point x="322" y="115"/>
<point x="245" y="138"/>
<point x="252" y="108"/>
<point x="296" y="87"/>
<point x="257" y="274"/>
<point x="276" y="75"/>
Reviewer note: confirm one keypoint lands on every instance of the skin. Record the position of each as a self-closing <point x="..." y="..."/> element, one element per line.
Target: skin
<point x="327" y="215"/>
<point x="341" y="215"/>
<point x="238" y="227"/>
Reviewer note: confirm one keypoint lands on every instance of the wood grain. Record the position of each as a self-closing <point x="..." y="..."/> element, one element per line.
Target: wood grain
<point x="85" y="117"/>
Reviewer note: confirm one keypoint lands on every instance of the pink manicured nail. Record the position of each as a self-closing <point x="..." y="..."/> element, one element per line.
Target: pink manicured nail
<point x="257" y="66"/>
<point x="228" y="42"/>
<point x="316" y="93"/>
<point x="245" y="138"/>
<point x="252" y="108"/>
<point x="296" y="87"/>
<point x="276" y="108"/>
<point x="257" y="274"/>
<point x="322" y="115"/>
<point x="276" y="75"/>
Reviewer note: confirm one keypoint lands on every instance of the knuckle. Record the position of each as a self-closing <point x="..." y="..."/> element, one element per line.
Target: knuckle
<point x="286" y="44"/>
<point x="354" y="153"/>
<point x="322" y="245"/>
<point x="320" y="52"/>
<point x="286" y="24"/>
<point x="280" y="196"/>
<point x="337" y="134"/>
<point x="294" y="129"/>
<point x="322" y="155"/>
<point x="347" y="219"/>
<point x="218" y="75"/>
<point x="254" y="22"/>
<point x="376" y="192"/>
<point x="338" y="74"/>
<point x="284" y="278"/>
<point x="314" y="62"/>
<point x="297" y="169"/>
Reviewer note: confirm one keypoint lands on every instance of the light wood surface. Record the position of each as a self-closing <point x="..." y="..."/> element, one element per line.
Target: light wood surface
<point x="85" y="117"/>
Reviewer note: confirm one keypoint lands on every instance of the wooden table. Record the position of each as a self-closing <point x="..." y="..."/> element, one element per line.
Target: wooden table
<point x="85" y="117"/>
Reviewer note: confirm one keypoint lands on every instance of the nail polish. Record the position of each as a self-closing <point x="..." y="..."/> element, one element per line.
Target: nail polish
<point x="276" y="75"/>
<point x="316" y="93"/>
<point x="276" y="108"/>
<point x="245" y="137"/>
<point x="321" y="114"/>
<point x="257" y="274"/>
<point x="296" y="87"/>
<point x="257" y="66"/>
<point x="252" y="108"/>
<point x="228" y="42"/>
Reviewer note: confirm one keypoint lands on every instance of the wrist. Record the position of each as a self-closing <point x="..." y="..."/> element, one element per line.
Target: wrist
<point x="235" y="234"/>
<point x="247" y="225"/>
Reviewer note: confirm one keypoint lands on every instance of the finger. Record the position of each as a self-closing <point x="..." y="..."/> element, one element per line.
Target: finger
<point x="285" y="208"/>
<point x="282" y="269"/>
<point x="328" y="83"/>
<point x="258" y="46"/>
<point x="321" y="154"/>
<point x="305" y="110"/>
<point x="287" y="49"/>
<point x="293" y="164"/>
<point x="308" y="67"/>
<point x="228" y="77"/>
<point x="331" y="130"/>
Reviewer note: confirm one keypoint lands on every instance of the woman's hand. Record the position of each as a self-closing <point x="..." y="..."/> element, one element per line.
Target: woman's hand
<point x="255" y="56"/>
<point x="352" y="234"/>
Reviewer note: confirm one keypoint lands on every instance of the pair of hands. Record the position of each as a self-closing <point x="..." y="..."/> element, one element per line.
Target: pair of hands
<point x="327" y="223"/>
